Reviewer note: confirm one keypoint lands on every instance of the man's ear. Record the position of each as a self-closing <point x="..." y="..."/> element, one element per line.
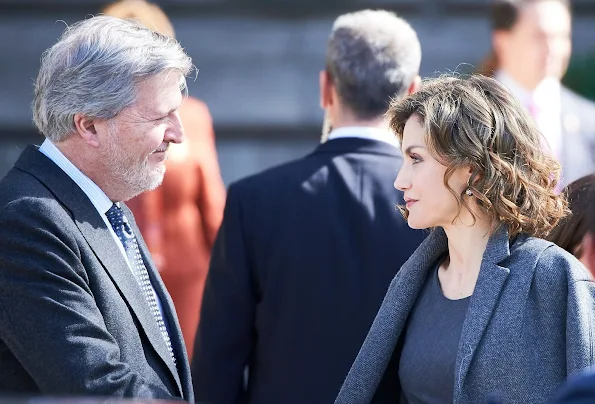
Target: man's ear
<point x="326" y="93"/>
<point x="499" y="41"/>
<point x="86" y="129"/>
<point x="415" y="85"/>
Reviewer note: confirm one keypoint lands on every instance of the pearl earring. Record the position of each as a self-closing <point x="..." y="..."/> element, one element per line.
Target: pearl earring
<point x="469" y="192"/>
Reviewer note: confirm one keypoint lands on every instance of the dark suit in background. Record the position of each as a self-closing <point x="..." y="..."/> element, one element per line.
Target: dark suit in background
<point x="73" y="320"/>
<point x="307" y="250"/>
<point x="299" y="269"/>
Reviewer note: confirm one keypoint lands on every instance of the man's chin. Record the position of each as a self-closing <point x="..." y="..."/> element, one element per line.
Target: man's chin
<point x="156" y="180"/>
<point x="151" y="180"/>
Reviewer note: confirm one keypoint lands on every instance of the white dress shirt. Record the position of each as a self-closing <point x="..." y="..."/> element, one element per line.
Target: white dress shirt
<point x="547" y="107"/>
<point x="365" y="132"/>
<point x="97" y="197"/>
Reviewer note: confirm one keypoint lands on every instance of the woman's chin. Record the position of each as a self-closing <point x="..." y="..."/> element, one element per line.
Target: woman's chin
<point x="417" y="224"/>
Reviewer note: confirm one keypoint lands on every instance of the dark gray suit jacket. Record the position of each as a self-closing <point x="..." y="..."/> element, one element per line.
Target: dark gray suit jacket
<point x="73" y="320"/>
<point x="530" y="324"/>
<point x="578" y="136"/>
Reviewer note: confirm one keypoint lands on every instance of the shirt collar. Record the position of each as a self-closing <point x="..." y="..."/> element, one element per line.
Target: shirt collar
<point x="97" y="197"/>
<point x="364" y="132"/>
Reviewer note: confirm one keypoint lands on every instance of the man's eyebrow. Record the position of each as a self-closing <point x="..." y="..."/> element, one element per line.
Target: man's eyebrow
<point x="156" y="115"/>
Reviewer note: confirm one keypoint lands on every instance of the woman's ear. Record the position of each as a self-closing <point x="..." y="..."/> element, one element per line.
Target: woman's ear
<point x="474" y="176"/>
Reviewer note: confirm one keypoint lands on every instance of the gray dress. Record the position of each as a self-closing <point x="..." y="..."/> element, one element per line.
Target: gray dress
<point x="427" y="365"/>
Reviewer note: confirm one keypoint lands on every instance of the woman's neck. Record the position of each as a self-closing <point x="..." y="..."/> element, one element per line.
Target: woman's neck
<point x="466" y="246"/>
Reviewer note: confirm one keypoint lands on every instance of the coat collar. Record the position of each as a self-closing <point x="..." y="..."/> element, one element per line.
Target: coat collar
<point x="357" y="145"/>
<point x="94" y="230"/>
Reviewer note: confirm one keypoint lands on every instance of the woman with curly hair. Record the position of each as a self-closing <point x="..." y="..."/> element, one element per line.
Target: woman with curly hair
<point x="484" y="308"/>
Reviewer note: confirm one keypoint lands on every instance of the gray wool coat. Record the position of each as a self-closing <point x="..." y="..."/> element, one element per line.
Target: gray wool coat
<point x="530" y="324"/>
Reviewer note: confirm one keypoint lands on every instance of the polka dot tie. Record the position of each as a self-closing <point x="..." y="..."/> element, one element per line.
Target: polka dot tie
<point x="121" y="227"/>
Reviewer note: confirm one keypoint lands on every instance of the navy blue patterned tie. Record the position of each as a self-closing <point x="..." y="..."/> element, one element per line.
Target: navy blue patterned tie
<point x="121" y="227"/>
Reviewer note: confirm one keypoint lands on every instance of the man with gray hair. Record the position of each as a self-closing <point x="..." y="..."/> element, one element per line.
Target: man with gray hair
<point x="307" y="250"/>
<point x="83" y="310"/>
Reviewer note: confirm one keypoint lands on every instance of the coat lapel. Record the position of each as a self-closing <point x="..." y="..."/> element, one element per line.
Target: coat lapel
<point x="357" y="145"/>
<point x="484" y="300"/>
<point x="409" y="282"/>
<point x="95" y="232"/>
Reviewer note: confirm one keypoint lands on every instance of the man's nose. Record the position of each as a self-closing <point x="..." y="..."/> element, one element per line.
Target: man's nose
<point x="175" y="134"/>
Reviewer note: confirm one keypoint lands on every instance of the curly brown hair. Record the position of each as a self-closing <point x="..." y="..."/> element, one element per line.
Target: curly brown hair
<point x="572" y="229"/>
<point x="475" y="122"/>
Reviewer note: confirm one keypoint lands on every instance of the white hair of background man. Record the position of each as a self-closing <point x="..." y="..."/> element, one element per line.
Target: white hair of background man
<point x="372" y="56"/>
<point x="94" y="69"/>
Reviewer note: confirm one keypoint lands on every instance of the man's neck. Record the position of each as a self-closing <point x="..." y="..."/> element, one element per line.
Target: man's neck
<point x="526" y="85"/>
<point x="88" y="166"/>
<point x="378" y="123"/>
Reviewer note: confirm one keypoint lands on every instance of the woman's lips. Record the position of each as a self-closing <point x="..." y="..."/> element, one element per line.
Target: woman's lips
<point x="409" y="202"/>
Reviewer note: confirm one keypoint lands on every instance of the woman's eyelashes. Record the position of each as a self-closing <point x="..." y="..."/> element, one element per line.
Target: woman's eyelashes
<point x="415" y="158"/>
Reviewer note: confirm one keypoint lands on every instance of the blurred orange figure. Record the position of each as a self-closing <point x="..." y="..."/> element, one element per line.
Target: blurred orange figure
<point x="180" y="219"/>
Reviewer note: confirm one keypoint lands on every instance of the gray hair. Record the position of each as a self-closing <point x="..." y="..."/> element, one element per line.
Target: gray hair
<point x="94" y="69"/>
<point x="372" y="56"/>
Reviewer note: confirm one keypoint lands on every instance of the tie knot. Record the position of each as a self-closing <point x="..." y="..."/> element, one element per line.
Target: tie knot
<point x="117" y="218"/>
<point x="115" y="215"/>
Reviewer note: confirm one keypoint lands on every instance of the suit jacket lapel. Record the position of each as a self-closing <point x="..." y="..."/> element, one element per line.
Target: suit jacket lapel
<point x="175" y="333"/>
<point x="106" y="250"/>
<point x="100" y="240"/>
<point x="486" y="294"/>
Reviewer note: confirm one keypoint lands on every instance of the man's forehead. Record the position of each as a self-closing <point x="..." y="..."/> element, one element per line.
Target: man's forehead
<point x="160" y="94"/>
<point x="547" y="15"/>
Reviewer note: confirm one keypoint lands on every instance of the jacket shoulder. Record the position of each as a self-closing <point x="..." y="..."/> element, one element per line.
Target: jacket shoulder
<point x="282" y="174"/>
<point x="23" y="188"/>
<point x="578" y="100"/>
<point x="555" y="268"/>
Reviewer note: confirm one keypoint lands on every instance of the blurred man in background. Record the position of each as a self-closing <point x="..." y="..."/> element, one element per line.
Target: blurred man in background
<point x="531" y="48"/>
<point x="179" y="220"/>
<point x="307" y="250"/>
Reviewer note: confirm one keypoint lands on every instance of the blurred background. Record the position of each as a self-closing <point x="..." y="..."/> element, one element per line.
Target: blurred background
<point x="259" y="62"/>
